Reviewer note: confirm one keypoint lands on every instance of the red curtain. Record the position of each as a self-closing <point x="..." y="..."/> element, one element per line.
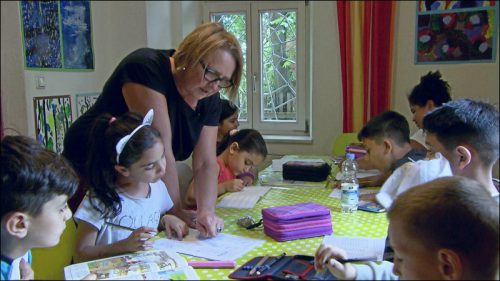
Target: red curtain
<point x="377" y="32"/>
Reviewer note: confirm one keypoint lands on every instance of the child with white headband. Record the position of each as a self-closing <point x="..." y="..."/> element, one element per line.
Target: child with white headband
<point x="127" y="201"/>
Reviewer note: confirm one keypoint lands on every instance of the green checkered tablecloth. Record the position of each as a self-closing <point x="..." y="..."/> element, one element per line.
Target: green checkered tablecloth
<point x="355" y="224"/>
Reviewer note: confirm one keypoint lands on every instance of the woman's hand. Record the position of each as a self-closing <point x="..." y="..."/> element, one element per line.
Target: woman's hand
<point x="139" y="240"/>
<point x="174" y="226"/>
<point x="208" y="224"/>
<point x="328" y="256"/>
<point x="233" y="185"/>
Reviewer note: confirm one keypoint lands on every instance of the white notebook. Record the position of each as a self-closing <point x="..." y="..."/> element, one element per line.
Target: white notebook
<point x="245" y="199"/>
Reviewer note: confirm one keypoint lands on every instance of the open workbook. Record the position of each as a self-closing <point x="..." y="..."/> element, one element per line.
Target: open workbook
<point x="143" y="265"/>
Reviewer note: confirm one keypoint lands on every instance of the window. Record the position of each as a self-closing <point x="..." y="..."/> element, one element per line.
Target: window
<point x="272" y="97"/>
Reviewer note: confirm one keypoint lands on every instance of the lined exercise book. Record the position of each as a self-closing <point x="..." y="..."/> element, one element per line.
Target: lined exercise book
<point x="358" y="247"/>
<point x="245" y="199"/>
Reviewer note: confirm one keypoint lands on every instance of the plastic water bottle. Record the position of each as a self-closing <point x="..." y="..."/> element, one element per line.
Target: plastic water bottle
<point x="349" y="187"/>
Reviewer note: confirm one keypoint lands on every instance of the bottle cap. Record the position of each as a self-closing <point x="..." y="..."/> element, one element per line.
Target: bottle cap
<point x="350" y="156"/>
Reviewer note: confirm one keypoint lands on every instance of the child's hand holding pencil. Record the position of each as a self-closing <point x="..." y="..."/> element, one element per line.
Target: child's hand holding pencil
<point x="138" y="240"/>
<point x="335" y="260"/>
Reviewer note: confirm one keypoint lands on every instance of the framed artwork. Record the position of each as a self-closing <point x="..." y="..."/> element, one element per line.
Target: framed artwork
<point x="456" y="31"/>
<point x="57" y="35"/>
<point x="52" y="120"/>
<point x="84" y="102"/>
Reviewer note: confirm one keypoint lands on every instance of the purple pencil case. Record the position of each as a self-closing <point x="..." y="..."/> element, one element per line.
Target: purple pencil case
<point x="304" y="220"/>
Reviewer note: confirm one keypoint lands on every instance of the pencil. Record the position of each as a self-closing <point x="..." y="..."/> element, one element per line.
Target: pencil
<point x="353" y="260"/>
<point x="261" y="261"/>
<point x="120" y="226"/>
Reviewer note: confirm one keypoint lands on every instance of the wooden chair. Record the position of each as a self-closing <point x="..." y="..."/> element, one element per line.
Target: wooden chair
<point x="338" y="147"/>
<point x="49" y="263"/>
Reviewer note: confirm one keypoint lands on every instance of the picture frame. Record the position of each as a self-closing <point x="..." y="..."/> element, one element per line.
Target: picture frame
<point x="52" y="119"/>
<point x="85" y="101"/>
<point x="456" y="31"/>
<point x="57" y="35"/>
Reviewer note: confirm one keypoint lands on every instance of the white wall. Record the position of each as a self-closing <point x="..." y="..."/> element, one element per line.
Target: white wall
<point x="13" y="96"/>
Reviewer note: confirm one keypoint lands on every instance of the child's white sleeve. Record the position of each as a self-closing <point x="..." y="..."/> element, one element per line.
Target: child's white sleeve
<point x="375" y="271"/>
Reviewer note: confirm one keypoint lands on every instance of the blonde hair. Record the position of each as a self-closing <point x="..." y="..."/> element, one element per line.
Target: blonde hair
<point x="204" y="41"/>
<point x="454" y="213"/>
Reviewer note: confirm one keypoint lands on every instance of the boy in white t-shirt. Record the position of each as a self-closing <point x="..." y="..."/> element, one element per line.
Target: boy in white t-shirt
<point x="466" y="133"/>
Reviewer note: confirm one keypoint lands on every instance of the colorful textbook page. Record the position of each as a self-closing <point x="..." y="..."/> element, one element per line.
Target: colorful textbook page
<point x="144" y="265"/>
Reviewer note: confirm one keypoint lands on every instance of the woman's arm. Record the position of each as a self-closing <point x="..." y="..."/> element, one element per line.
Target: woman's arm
<point x="141" y="99"/>
<point x="205" y="180"/>
<point x="86" y="249"/>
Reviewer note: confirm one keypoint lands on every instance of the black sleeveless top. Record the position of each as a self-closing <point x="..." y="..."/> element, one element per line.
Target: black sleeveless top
<point x="151" y="68"/>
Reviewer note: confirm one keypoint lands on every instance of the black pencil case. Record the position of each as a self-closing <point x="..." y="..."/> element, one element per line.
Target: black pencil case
<point x="306" y="171"/>
<point x="298" y="267"/>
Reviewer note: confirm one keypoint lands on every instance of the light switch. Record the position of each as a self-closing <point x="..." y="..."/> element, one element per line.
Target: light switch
<point x="40" y="82"/>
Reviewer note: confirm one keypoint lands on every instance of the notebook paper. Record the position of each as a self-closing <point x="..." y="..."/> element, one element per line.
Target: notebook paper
<point x="245" y="199"/>
<point x="358" y="247"/>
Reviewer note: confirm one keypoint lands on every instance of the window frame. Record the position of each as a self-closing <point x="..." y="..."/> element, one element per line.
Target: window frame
<point x="252" y="10"/>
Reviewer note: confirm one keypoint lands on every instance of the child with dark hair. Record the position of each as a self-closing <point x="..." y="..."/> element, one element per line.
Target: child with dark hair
<point x="466" y="133"/>
<point x="242" y="151"/>
<point x="431" y="92"/>
<point x="386" y="138"/>
<point x="36" y="185"/>
<point x="228" y="120"/>
<point x="127" y="201"/>
<point x="446" y="229"/>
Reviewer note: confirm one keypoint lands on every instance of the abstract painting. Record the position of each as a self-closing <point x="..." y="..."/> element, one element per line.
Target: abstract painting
<point x="52" y="120"/>
<point x="40" y="22"/>
<point x="77" y="44"/>
<point x="84" y="102"/>
<point x="57" y="35"/>
<point x="455" y="32"/>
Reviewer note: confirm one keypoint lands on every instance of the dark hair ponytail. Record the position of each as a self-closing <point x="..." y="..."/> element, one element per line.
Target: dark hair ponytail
<point x="106" y="132"/>
<point x="249" y="140"/>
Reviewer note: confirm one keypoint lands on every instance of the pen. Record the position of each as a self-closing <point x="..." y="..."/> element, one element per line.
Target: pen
<point x="353" y="260"/>
<point x="268" y="266"/>
<point x="212" y="264"/>
<point x="120" y="226"/>
<point x="263" y="260"/>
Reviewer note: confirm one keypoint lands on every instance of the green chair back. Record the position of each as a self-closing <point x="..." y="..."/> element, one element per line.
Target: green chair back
<point x="338" y="148"/>
<point x="49" y="263"/>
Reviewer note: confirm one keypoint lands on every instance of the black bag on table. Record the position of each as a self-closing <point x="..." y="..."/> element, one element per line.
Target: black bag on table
<point x="306" y="170"/>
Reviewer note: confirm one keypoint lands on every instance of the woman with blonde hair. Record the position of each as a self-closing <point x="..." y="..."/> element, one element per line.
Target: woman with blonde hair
<point x="182" y="87"/>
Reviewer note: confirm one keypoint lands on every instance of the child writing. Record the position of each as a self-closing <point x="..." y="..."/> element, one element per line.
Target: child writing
<point x="431" y="92"/>
<point x="387" y="141"/>
<point x="127" y="200"/>
<point x="446" y="229"/>
<point x="466" y="133"/>
<point x="228" y="123"/>
<point x="36" y="185"/>
<point x="243" y="150"/>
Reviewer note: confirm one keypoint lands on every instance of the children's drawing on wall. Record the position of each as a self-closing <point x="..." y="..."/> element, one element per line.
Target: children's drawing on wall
<point x="40" y="22"/>
<point x="84" y="102"/>
<point x="445" y="34"/>
<point x="77" y="44"/>
<point x="57" y="35"/>
<point x="52" y="120"/>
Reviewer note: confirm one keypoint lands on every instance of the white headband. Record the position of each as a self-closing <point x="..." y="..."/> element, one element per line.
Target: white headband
<point x="148" y="120"/>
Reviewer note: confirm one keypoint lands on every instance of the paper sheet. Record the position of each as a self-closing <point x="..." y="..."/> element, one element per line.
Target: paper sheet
<point x="358" y="247"/>
<point x="220" y="247"/>
<point x="245" y="199"/>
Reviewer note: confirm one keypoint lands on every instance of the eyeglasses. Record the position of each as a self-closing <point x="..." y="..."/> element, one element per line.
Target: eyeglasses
<point x="212" y="76"/>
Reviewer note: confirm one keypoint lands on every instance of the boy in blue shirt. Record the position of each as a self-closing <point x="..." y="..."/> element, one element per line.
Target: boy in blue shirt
<point x="466" y="133"/>
<point x="446" y="229"/>
<point x="36" y="184"/>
